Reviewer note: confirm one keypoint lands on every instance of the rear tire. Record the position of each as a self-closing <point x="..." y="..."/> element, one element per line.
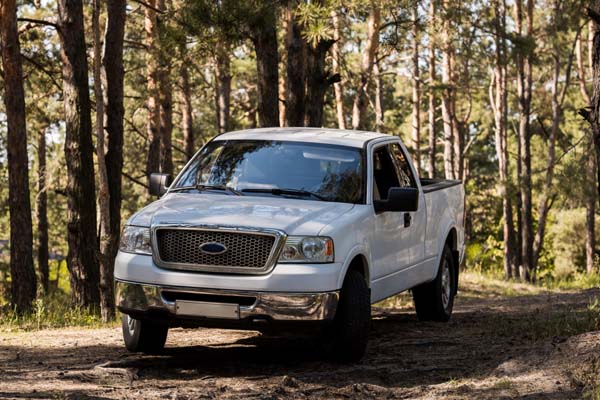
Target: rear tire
<point x="434" y="300"/>
<point x="144" y="336"/>
<point x="352" y="322"/>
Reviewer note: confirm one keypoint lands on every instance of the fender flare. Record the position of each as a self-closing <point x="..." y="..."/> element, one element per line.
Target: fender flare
<point x="357" y="251"/>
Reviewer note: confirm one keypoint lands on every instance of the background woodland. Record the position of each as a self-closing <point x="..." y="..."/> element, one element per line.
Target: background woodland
<point x="98" y="94"/>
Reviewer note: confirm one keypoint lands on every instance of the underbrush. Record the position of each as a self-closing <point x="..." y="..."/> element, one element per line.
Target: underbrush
<point x="51" y="311"/>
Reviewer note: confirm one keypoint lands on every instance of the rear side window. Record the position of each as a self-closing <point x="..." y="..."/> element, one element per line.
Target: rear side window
<point x="405" y="175"/>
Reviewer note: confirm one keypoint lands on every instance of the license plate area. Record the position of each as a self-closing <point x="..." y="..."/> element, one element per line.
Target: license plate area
<point x="207" y="310"/>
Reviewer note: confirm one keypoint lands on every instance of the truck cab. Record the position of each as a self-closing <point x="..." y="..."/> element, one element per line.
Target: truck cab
<point x="269" y="228"/>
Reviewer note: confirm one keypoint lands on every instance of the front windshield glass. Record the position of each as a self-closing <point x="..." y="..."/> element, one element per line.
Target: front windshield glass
<point x="276" y="168"/>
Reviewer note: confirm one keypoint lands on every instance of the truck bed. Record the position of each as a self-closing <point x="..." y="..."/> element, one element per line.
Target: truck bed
<point x="432" y="185"/>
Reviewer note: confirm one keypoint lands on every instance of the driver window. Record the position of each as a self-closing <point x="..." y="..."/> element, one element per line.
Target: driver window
<point x="384" y="173"/>
<point x="404" y="172"/>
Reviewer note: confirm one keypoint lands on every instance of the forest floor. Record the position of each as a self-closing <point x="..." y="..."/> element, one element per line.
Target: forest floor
<point x="505" y="340"/>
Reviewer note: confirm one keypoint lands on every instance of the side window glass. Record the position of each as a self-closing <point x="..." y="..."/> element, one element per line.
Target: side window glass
<point x="405" y="175"/>
<point x="384" y="173"/>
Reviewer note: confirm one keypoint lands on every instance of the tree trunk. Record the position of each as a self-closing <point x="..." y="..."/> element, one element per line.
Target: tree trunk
<point x="498" y="101"/>
<point x="187" y="116"/>
<point x="317" y="82"/>
<point x="593" y="116"/>
<point x="296" y="74"/>
<point x="379" y="108"/>
<point x="432" y="79"/>
<point x="265" y="45"/>
<point x="524" y="84"/>
<point x="82" y="258"/>
<point x="165" y="97"/>
<point x="447" y="93"/>
<point x="416" y="91"/>
<point x="42" y="213"/>
<point x="223" y="84"/>
<point x="557" y="98"/>
<point x="113" y="72"/>
<point x="590" y="214"/>
<point x="336" y="61"/>
<point x="150" y="27"/>
<point x="360" y="99"/>
<point x="23" y="279"/>
<point x="106" y="296"/>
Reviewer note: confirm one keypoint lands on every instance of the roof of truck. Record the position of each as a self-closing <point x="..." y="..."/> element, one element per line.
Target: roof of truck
<point x="309" y="135"/>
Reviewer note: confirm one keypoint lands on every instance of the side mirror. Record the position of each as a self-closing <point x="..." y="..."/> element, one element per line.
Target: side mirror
<point x="159" y="183"/>
<point x="399" y="199"/>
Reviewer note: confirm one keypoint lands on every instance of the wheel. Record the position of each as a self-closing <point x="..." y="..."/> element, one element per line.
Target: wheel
<point x="143" y="335"/>
<point x="434" y="300"/>
<point x="352" y="320"/>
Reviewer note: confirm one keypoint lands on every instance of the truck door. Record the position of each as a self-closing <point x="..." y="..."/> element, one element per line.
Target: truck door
<point x="390" y="249"/>
<point x="414" y="222"/>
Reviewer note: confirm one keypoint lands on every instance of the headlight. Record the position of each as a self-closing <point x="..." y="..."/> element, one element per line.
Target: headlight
<point x="307" y="249"/>
<point x="136" y="239"/>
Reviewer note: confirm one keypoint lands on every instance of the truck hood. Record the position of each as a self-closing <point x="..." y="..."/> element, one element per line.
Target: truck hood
<point x="293" y="216"/>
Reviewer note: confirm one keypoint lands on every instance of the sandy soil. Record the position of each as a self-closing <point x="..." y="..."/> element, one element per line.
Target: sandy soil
<point x="493" y="348"/>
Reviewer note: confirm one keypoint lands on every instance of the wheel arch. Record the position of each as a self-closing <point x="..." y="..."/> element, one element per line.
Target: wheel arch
<point x="358" y="261"/>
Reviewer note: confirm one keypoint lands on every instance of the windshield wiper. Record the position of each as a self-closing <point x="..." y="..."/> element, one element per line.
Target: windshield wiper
<point x="219" y="187"/>
<point x="286" y="192"/>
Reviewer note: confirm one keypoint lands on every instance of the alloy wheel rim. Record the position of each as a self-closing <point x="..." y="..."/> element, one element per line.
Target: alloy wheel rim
<point x="446" y="285"/>
<point x="130" y="324"/>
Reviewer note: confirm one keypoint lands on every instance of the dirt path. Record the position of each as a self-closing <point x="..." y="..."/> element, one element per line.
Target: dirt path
<point x="493" y="348"/>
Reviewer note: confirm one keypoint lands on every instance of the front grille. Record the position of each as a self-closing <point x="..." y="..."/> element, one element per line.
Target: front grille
<point x="180" y="249"/>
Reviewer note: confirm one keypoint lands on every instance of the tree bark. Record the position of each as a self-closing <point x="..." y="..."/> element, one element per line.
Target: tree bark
<point x="296" y="74"/>
<point x="431" y="112"/>
<point x="447" y="93"/>
<point x="498" y="101"/>
<point x="153" y="127"/>
<point x="590" y="214"/>
<point x="265" y="45"/>
<point x="106" y="297"/>
<point x="165" y="97"/>
<point x="593" y="116"/>
<point x="557" y="99"/>
<point x="187" y="115"/>
<point x="223" y="84"/>
<point x="82" y="258"/>
<point x="23" y="279"/>
<point x="416" y="90"/>
<point x="114" y="73"/>
<point x="379" y="107"/>
<point x="317" y="82"/>
<point x="524" y="85"/>
<point x="42" y="213"/>
<point x="360" y="99"/>
<point x="336" y="61"/>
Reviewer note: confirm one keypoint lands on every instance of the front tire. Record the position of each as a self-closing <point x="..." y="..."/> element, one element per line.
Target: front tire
<point x="352" y="321"/>
<point x="434" y="300"/>
<point x="144" y="336"/>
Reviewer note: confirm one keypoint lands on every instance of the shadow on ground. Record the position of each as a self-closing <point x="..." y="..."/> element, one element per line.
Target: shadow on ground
<point x="403" y="353"/>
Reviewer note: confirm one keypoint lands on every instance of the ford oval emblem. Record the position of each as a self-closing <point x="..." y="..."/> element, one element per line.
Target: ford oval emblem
<point x="213" y="248"/>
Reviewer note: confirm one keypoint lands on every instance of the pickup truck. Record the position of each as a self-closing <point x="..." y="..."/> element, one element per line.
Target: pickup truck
<point x="289" y="227"/>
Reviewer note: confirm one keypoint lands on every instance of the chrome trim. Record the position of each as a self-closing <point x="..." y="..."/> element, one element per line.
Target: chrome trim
<point x="276" y="305"/>
<point x="279" y="235"/>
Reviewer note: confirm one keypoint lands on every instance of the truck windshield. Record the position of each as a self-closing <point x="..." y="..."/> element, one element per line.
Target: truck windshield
<point x="309" y="171"/>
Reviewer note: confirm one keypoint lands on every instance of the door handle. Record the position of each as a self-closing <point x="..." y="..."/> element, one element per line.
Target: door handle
<point x="407" y="220"/>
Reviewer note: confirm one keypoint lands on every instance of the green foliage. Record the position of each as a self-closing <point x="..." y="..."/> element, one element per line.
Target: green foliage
<point x="52" y="311"/>
<point x="567" y="238"/>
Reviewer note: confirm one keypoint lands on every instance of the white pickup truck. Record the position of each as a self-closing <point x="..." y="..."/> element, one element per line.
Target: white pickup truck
<point x="272" y="228"/>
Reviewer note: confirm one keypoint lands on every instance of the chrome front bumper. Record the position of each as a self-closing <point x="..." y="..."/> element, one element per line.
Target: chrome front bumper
<point x="134" y="298"/>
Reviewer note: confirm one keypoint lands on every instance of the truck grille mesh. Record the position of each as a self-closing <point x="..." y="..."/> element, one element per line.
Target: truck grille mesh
<point x="244" y="250"/>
